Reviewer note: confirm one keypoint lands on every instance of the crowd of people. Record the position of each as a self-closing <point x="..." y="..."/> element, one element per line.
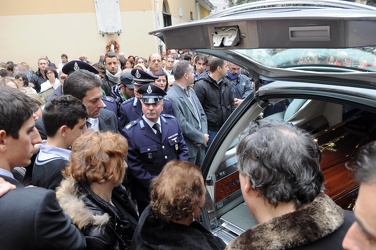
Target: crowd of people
<point x="114" y="150"/>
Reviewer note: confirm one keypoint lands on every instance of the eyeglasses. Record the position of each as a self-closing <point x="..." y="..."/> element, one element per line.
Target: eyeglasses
<point x="160" y="80"/>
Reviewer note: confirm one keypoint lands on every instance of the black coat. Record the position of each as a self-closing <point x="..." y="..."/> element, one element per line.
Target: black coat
<point x="104" y="226"/>
<point x="31" y="218"/>
<point x="153" y="233"/>
<point x="216" y="99"/>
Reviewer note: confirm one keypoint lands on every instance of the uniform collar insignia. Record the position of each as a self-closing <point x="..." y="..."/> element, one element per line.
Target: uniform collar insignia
<point x="149" y="90"/>
<point x="138" y="75"/>
<point x="75" y="67"/>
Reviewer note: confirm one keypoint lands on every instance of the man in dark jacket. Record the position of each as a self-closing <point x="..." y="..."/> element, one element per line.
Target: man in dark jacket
<point x="113" y="71"/>
<point x="283" y="188"/>
<point x="31" y="218"/>
<point x="240" y="83"/>
<point x="40" y="76"/>
<point x="215" y="95"/>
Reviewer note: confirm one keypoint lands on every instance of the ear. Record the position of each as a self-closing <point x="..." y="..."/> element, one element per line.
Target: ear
<point x="247" y="186"/>
<point x="63" y="130"/>
<point x="3" y="136"/>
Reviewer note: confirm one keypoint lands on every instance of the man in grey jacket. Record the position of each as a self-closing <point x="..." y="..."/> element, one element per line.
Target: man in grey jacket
<point x="189" y="112"/>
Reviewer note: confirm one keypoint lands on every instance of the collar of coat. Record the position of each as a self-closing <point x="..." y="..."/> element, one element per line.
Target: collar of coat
<point x="73" y="205"/>
<point x="306" y="225"/>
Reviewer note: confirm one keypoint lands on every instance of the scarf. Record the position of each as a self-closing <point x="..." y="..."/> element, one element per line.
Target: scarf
<point x="231" y="76"/>
<point x="114" y="78"/>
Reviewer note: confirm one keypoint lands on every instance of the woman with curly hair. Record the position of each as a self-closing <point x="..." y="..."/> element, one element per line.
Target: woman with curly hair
<point x="92" y="194"/>
<point x="169" y="222"/>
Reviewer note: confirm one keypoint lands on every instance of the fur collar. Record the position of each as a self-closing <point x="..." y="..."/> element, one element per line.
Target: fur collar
<point x="309" y="224"/>
<point x="73" y="205"/>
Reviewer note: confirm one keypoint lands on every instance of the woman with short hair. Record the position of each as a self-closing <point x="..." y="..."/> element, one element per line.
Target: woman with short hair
<point x="170" y="221"/>
<point x="92" y="194"/>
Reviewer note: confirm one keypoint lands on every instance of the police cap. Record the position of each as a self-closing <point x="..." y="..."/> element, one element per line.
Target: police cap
<point x="127" y="80"/>
<point x="74" y="65"/>
<point x="141" y="77"/>
<point x="151" y="94"/>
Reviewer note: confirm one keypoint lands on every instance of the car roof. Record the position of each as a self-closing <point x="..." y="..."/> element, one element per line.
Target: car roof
<point x="269" y="37"/>
<point x="279" y="24"/>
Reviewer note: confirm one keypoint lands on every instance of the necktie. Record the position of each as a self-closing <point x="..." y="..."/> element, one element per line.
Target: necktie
<point x="186" y="91"/>
<point x="156" y="126"/>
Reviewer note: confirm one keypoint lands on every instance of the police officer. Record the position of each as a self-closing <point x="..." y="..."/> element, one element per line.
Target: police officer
<point x="130" y="109"/>
<point x="154" y="139"/>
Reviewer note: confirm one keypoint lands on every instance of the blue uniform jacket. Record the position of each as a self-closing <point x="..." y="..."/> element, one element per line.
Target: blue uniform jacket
<point x="131" y="110"/>
<point x="147" y="154"/>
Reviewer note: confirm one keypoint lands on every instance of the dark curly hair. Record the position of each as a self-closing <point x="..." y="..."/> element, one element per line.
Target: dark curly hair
<point x="282" y="162"/>
<point x="176" y="190"/>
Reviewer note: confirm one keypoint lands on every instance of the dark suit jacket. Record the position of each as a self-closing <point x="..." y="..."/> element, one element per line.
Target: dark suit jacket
<point x="107" y="121"/>
<point x="31" y="218"/>
<point x="189" y="119"/>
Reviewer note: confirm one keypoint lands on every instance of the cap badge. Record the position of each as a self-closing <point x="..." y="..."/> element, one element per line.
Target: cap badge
<point x="75" y="67"/>
<point x="149" y="91"/>
<point x="138" y="75"/>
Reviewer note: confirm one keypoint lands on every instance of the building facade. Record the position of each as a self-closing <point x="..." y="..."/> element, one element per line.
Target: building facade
<point x="30" y="29"/>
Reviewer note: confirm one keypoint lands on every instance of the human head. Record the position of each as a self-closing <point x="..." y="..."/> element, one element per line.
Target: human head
<point x="169" y="62"/>
<point x="216" y="64"/>
<point x="111" y="62"/>
<point x="178" y="192"/>
<point x="100" y="68"/>
<point x="200" y="63"/>
<point x="62" y="77"/>
<point x="280" y="174"/>
<point x="51" y="72"/>
<point x="98" y="157"/>
<point x="174" y="53"/>
<point x="10" y="82"/>
<point x="362" y="234"/>
<point x="64" y="58"/>
<point x="43" y="64"/>
<point x="126" y="85"/>
<point x="233" y="69"/>
<point x="22" y="80"/>
<point x="129" y="63"/>
<point x="141" y="60"/>
<point x="141" y="77"/>
<point x="183" y="73"/>
<point x="3" y="73"/>
<point x="75" y="65"/>
<point x="155" y="62"/>
<point x="64" y="111"/>
<point x="18" y="134"/>
<point x="87" y="87"/>
<point x="151" y="101"/>
<point x="188" y="57"/>
<point x="161" y="82"/>
<point x="83" y="59"/>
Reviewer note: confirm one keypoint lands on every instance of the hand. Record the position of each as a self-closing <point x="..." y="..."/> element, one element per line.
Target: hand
<point x="5" y="186"/>
<point x="206" y="139"/>
<point x="238" y="101"/>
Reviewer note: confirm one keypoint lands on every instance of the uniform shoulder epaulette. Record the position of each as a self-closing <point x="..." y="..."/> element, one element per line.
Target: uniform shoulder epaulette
<point x="108" y="98"/>
<point x="129" y="100"/>
<point x="167" y="116"/>
<point x="131" y="124"/>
